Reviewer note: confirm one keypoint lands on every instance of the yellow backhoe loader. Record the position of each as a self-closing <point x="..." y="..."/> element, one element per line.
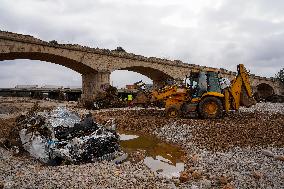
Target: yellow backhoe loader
<point x="203" y="94"/>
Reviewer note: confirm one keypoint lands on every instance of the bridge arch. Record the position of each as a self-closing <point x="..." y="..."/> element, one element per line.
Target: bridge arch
<point x="263" y="90"/>
<point x="91" y="79"/>
<point x="52" y="58"/>
<point x="157" y="76"/>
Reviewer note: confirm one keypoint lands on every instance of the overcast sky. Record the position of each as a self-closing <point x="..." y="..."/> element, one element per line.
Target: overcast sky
<point x="216" y="33"/>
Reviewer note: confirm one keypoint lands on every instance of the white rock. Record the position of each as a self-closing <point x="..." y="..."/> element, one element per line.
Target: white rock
<point x="267" y="153"/>
<point x="194" y="187"/>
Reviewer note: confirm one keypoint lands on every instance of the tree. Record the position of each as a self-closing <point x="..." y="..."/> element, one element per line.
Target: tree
<point x="280" y="75"/>
<point x="120" y="49"/>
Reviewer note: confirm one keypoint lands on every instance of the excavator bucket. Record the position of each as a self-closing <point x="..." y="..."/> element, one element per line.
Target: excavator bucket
<point x="239" y="93"/>
<point x="245" y="99"/>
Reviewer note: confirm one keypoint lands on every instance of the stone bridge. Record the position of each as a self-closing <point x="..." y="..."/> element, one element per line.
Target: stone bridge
<point x="95" y="65"/>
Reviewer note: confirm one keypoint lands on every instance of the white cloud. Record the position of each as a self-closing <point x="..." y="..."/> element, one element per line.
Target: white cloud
<point x="127" y="77"/>
<point x="215" y="33"/>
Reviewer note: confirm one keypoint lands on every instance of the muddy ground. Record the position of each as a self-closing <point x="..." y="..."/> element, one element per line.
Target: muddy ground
<point x="242" y="150"/>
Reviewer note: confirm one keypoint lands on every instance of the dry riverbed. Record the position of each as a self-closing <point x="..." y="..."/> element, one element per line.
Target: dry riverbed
<point x="243" y="150"/>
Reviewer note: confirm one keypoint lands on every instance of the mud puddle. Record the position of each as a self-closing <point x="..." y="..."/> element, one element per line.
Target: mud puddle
<point x="162" y="158"/>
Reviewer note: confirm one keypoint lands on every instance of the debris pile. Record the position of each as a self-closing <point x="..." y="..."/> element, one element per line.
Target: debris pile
<point x="108" y="98"/>
<point x="143" y="95"/>
<point x="142" y="99"/>
<point x="61" y="136"/>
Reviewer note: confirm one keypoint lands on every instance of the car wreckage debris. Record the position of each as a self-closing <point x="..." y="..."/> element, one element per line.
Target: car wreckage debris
<point x="61" y="136"/>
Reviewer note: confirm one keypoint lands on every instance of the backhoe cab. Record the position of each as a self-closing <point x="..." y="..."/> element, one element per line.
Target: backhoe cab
<point x="203" y="94"/>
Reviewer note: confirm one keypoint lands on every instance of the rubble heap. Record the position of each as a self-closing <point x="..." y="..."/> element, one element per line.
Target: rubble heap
<point x="61" y="136"/>
<point x="108" y="98"/>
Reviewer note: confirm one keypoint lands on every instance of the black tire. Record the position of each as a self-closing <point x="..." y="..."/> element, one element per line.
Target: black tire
<point x="172" y="112"/>
<point x="210" y="108"/>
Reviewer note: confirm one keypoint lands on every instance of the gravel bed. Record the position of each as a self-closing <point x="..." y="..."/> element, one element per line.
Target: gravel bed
<point x="25" y="172"/>
<point x="238" y="151"/>
<point x="265" y="107"/>
<point x="237" y="165"/>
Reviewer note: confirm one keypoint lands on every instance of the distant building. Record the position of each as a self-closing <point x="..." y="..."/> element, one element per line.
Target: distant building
<point x="130" y="87"/>
<point x="26" y="86"/>
<point x="73" y="87"/>
<point x="51" y="87"/>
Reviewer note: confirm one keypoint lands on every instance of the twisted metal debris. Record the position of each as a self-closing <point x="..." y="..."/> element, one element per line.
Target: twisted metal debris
<point x="61" y="136"/>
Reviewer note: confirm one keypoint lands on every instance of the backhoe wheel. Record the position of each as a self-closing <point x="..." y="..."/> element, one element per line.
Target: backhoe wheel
<point x="210" y="108"/>
<point x="172" y="112"/>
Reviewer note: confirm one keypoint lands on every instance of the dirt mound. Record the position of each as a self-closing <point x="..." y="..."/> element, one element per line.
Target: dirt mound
<point x="237" y="129"/>
<point x="243" y="130"/>
<point x="132" y="113"/>
<point x="6" y="126"/>
<point x="8" y="109"/>
<point x="141" y="121"/>
<point x="9" y="134"/>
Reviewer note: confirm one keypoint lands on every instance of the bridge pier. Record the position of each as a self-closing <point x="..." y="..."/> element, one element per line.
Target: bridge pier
<point x="92" y="83"/>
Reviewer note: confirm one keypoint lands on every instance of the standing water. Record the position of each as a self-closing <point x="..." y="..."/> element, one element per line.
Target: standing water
<point x="162" y="158"/>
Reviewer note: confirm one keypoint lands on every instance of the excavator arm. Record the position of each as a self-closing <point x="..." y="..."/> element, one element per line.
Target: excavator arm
<point x="239" y="93"/>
